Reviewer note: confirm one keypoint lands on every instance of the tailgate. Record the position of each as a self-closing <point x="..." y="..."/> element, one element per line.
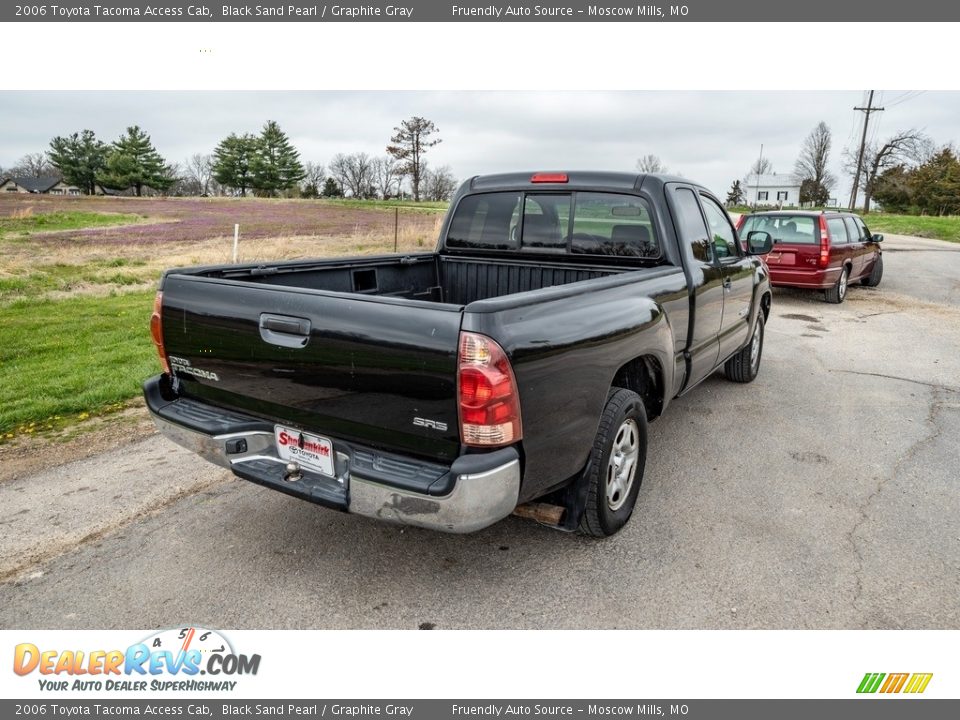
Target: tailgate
<point x="373" y="370"/>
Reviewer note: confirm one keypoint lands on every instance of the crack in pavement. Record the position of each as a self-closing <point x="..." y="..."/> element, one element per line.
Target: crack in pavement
<point x="935" y="386"/>
<point x="934" y="410"/>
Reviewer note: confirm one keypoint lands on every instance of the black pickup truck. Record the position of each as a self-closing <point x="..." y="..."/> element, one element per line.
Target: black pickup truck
<point x="519" y="362"/>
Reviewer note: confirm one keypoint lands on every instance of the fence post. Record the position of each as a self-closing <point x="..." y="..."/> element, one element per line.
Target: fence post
<point x="396" y="224"/>
<point x="236" y="241"/>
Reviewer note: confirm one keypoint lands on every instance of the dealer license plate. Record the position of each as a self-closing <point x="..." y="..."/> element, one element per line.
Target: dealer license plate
<point x="312" y="452"/>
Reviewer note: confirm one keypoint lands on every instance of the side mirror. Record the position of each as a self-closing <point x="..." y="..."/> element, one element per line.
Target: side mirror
<point x="876" y="237"/>
<point x="759" y="242"/>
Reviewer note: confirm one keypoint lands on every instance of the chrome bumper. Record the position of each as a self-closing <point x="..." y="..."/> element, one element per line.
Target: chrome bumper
<point x="480" y="496"/>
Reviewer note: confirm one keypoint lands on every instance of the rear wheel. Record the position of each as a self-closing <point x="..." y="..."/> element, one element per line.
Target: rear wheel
<point x="745" y="365"/>
<point x="838" y="292"/>
<point x="616" y="464"/>
<point x="873" y="279"/>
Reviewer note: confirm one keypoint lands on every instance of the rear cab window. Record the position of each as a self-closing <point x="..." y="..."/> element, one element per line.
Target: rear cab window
<point x="578" y="223"/>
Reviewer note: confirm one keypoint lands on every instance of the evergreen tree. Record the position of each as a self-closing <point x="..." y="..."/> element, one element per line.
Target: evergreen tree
<point x="331" y="189"/>
<point x="276" y="163"/>
<point x="133" y="162"/>
<point x="409" y="144"/>
<point x="233" y="162"/>
<point x="936" y="184"/>
<point x="735" y="195"/>
<point x="80" y="158"/>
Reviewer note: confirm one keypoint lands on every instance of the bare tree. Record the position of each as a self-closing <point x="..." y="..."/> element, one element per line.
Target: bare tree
<point x="439" y="184"/>
<point x="199" y="169"/>
<point x="386" y="176"/>
<point x="907" y="148"/>
<point x="353" y="173"/>
<point x="651" y="164"/>
<point x="34" y="165"/>
<point x="811" y="166"/>
<point x="761" y="166"/>
<point x="180" y="181"/>
<point x="315" y="173"/>
<point x="409" y="144"/>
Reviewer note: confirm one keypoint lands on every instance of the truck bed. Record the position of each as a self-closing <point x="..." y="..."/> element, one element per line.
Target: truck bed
<point x="428" y="277"/>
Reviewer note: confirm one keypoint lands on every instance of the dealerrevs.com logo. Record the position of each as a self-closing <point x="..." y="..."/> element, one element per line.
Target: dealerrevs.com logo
<point x="168" y="660"/>
<point x="910" y="683"/>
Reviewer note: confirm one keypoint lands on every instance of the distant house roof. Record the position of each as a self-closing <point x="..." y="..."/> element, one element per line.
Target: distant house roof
<point x="773" y="180"/>
<point x="35" y="184"/>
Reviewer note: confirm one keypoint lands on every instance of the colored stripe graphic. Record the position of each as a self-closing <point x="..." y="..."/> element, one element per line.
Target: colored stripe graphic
<point x="870" y="682"/>
<point x="918" y="683"/>
<point x="894" y="683"/>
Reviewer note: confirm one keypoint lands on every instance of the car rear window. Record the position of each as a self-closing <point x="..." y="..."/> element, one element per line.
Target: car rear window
<point x="787" y="229"/>
<point x="610" y="224"/>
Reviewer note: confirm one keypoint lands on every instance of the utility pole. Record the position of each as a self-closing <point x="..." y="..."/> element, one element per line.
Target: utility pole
<point x="863" y="146"/>
<point x="756" y="184"/>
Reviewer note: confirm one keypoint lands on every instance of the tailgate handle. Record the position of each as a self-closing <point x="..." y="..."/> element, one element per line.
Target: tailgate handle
<point x="285" y="331"/>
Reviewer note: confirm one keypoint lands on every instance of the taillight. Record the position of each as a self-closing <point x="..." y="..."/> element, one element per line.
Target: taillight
<point x="156" y="330"/>
<point x="489" y="402"/>
<point x="824" y="243"/>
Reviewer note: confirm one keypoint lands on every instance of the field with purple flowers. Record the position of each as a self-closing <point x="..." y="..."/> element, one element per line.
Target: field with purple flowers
<point x="131" y="240"/>
<point x="77" y="277"/>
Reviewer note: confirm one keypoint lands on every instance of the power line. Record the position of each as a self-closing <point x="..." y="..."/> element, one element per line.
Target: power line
<point x="863" y="145"/>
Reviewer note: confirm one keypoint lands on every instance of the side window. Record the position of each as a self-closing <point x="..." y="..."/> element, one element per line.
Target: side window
<point x="692" y="226"/>
<point x="853" y="232"/>
<point x="864" y="233"/>
<point x="837" y="230"/>
<point x="721" y="231"/>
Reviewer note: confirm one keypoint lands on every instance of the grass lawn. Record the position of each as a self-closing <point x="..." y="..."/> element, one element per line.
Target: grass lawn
<point x="26" y="223"/>
<point x="925" y="226"/>
<point x="62" y="360"/>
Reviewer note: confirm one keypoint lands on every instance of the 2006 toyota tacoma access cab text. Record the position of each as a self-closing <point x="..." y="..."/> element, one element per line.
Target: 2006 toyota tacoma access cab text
<point x="519" y="362"/>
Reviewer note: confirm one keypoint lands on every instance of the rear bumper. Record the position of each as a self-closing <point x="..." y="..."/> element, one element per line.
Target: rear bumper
<point x="475" y="491"/>
<point x="818" y="279"/>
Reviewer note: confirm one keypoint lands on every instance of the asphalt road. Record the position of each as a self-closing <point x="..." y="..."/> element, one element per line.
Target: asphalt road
<point x="824" y="495"/>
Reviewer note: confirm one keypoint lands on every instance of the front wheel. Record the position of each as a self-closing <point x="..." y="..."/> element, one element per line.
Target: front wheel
<point x="873" y="279"/>
<point x="745" y="365"/>
<point x="616" y="464"/>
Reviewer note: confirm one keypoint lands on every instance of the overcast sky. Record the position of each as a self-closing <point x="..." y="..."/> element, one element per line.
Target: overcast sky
<point x="710" y="137"/>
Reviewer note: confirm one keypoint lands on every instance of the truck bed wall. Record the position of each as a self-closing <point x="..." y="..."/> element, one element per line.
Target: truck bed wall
<point x="457" y="281"/>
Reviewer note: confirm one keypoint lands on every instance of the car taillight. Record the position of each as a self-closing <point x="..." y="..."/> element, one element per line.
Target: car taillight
<point x="824" y="243"/>
<point x="156" y="330"/>
<point x="487" y="389"/>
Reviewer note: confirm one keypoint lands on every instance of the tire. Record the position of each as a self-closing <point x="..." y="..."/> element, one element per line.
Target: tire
<point x="873" y="279"/>
<point x="838" y="292"/>
<point x="745" y="365"/>
<point x="612" y="485"/>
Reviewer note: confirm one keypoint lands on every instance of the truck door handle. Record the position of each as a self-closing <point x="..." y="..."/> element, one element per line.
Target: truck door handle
<point x="285" y="331"/>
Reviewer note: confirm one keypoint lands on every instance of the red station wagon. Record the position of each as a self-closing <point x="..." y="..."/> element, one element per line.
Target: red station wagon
<point x="822" y="250"/>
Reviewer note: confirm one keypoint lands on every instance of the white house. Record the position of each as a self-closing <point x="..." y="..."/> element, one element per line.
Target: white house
<point x="773" y="190"/>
